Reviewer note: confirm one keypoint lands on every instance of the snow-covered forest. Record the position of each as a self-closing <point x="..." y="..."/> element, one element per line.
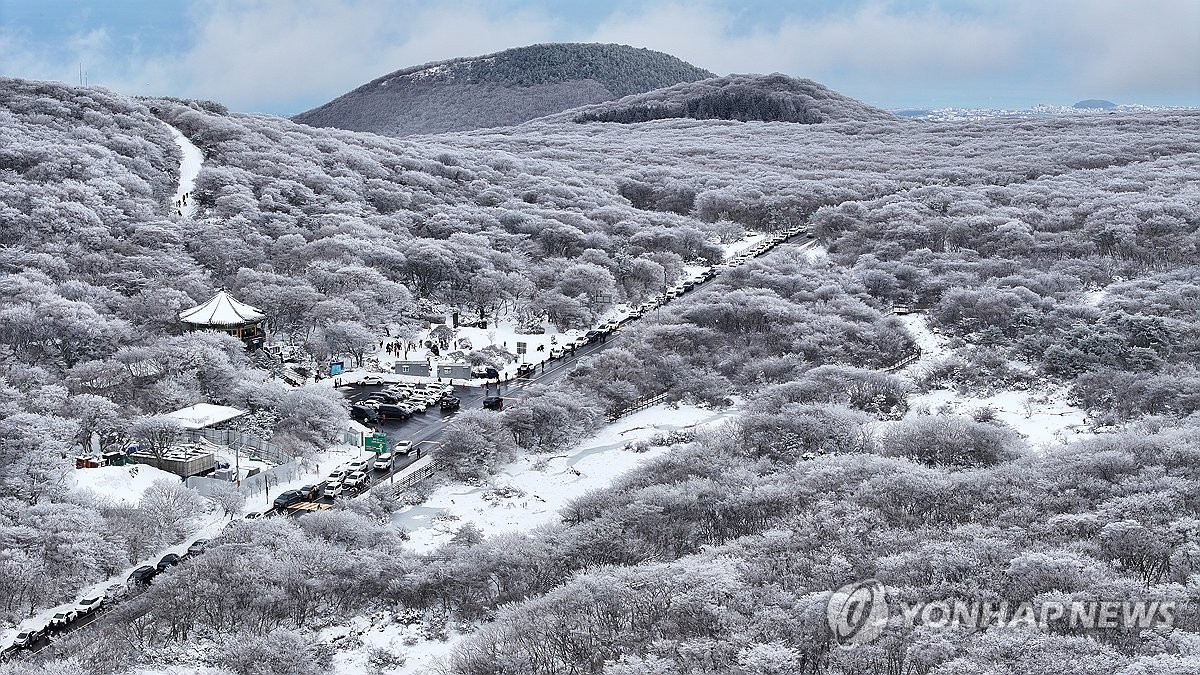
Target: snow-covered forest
<point x="1051" y="257"/>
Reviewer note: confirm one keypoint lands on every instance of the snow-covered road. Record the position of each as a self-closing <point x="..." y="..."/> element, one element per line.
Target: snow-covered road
<point x="189" y="167"/>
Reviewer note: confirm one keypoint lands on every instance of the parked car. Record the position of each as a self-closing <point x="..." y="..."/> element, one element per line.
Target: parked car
<point x="356" y="481"/>
<point x="382" y="397"/>
<point x="142" y="575"/>
<point x="87" y="605"/>
<point x="311" y="492"/>
<point x="117" y="590"/>
<point x="28" y="637"/>
<point x="402" y="447"/>
<point x="364" y="414"/>
<point x="384" y="461"/>
<point x="168" y="560"/>
<point x="357" y="465"/>
<point x="286" y="499"/>
<point x="493" y="403"/>
<point x="370" y="380"/>
<point x="198" y="547"/>
<point x="450" y="404"/>
<point x="336" y="490"/>
<point x="62" y="618"/>
<point x="392" y="411"/>
<point x="556" y="352"/>
<point x="252" y="515"/>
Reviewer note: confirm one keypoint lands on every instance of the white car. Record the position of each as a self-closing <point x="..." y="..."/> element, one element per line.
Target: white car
<point x="402" y="447"/>
<point x="355" y="480"/>
<point x="87" y="605"/>
<point x="63" y="617"/>
<point x="384" y="461"/>
<point x="357" y="465"/>
<point x="370" y="380"/>
<point x="556" y="352"/>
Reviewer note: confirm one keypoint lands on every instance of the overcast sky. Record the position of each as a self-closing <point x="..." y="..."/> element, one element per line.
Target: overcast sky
<point x="286" y="56"/>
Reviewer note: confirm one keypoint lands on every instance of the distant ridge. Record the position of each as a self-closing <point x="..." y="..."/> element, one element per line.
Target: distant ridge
<point x="763" y="98"/>
<point x="1095" y="104"/>
<point x="500" y="89"/>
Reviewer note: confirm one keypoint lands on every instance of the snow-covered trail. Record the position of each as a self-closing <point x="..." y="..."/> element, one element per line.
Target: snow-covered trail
<point x="189" y="168"/>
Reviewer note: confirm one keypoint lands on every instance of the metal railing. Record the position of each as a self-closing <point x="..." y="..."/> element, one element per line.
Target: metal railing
<point x="243" y="442"/>
<point x="640" y="404"/>
<point x="904" y="361"/>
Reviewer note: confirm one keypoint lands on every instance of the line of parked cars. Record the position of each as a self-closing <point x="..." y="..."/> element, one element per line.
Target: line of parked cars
<point x="90" y="604"/>
<point x="399" y="401"/>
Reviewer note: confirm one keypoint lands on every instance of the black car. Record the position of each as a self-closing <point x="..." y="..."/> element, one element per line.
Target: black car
<point x="384" y="397"/>
<point x="168" y="560"/>
<point x="450" y="403"/>
<point x="493" y="403"/>
<point x="525" y="370"/>
<point x="592" y="335"/>
<point x="286" y="499"/>
<point x="311" y="492"/>
<point x="142" y="575"/>
<point x="391" y="411"/>
<point x="361" y="413"/>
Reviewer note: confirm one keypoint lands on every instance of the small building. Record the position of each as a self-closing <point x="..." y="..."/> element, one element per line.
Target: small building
<point x="417" y="368"/>
<point x="225" y="314"/>
<point x="356" y="433"/>
<point x="186" y="459"/>
<point x="454" y="371"/>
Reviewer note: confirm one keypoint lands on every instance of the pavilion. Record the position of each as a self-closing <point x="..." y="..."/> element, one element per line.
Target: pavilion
<point x="226" y="314"/>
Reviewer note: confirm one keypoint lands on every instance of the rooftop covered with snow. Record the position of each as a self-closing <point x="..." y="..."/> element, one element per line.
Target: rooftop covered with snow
<point x="204" y="415"/>
<point x="222" y="310"/>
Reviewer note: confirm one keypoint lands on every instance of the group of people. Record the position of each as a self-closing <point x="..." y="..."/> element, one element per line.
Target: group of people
<point x="394" y="347"/>
<point x="181" y="202"/>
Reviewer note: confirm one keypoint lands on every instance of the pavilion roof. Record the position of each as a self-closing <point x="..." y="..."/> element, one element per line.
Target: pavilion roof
<point x="222" y="310"/>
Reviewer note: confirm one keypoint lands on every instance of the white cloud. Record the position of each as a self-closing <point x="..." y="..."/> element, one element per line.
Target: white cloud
<point x="274" y="50"/>
<point x="285" y="55"/>
<point x="1022" y="48"/>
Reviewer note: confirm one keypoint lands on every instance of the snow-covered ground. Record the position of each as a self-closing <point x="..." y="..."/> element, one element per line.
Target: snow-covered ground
<point x="530" y="491"/>
<point x="189" y="167"/>
<point x="534" y="489"/>
<point x="933" y="346"/>
<point x="120" y="484"/>
<point x="816" y="253"/>
<point x="1042" y="416"/>
<point x="734" y="248"/>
